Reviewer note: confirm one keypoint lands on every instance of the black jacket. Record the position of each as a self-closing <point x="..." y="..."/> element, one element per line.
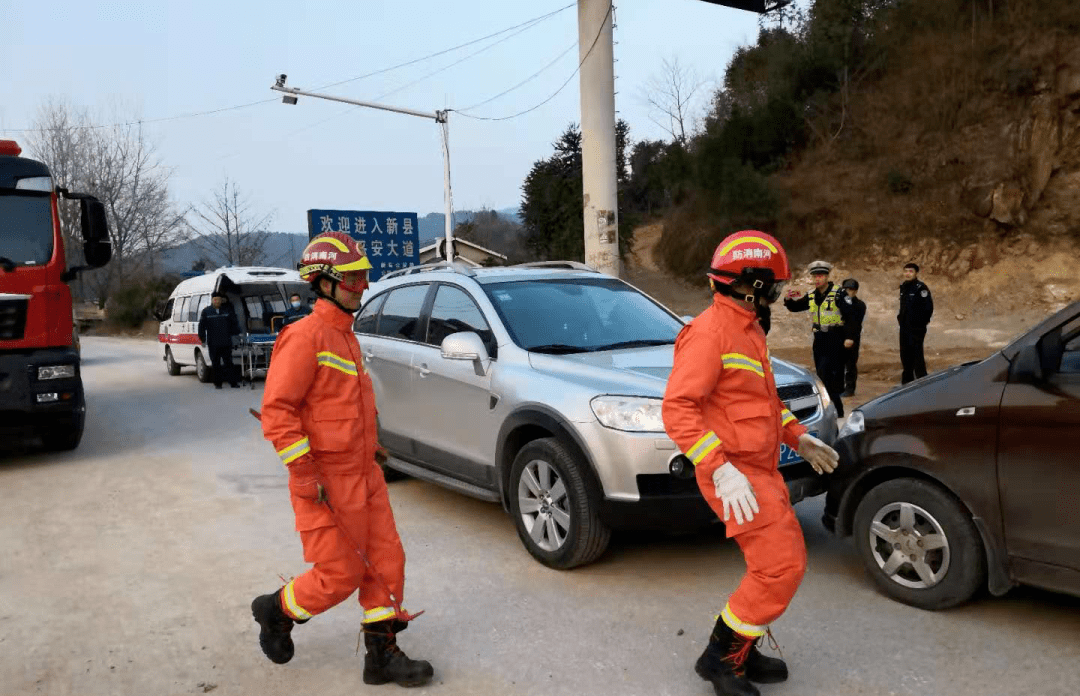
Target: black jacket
<point x="217" y="327"/>
<point x="853" y="324"/>
<point x="916" y="305"/>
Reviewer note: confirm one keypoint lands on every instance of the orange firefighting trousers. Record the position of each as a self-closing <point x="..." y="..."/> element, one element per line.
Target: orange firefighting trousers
<point x="361" y="505"/>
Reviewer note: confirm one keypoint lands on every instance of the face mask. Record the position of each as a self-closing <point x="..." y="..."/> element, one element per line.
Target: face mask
<point x="296" y="305"/>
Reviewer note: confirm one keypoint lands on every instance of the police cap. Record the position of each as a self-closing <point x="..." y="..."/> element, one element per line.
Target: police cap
<point x="850" y="283"/>
<point x="820" y="267"/>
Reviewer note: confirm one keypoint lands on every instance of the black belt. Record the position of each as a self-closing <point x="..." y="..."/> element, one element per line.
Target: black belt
<point x="818" y="328"/>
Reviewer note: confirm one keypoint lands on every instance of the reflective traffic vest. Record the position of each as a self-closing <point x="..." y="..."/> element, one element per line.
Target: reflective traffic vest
<point x="828" y="312"/>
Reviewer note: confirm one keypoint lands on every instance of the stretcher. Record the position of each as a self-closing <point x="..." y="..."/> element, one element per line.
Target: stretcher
<point x="255" y="351"/>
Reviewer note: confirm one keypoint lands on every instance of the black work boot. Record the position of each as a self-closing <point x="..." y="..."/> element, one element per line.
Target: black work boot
<point x="274" y="638"/>
<point x="724" y="662"/>
<point x="764" y="669"/>
<point x="385" y="662"/>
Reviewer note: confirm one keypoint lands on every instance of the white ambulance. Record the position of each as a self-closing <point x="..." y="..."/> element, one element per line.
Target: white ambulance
<point x="258" y="296"/>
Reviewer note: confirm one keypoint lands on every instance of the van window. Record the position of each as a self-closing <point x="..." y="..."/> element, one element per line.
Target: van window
<point x="167" y="312"/>
<point x="180" y="310"/>
<point x="195" y="306"/>
<point x="400" y="316"/>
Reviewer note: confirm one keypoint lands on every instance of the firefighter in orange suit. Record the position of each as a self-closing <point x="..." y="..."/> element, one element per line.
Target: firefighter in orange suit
<point x="722" y="410"/>
<point x="319" y="412"/>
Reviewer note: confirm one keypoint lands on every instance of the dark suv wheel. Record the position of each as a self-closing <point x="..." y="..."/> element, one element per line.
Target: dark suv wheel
<point x="556" y="516"/>
<point x="919" y="544"/>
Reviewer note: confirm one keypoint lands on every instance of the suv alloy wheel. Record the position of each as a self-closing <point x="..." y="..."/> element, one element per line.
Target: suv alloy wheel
<point x="556" y="515"/>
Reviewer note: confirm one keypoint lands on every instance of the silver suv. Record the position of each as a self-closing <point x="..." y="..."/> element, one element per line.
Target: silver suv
<point x="539" y="386"/>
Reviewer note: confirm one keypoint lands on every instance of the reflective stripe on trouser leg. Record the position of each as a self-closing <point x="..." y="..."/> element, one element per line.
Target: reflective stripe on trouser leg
<point x="290" y="605"/>
<point x="775" y="562"/>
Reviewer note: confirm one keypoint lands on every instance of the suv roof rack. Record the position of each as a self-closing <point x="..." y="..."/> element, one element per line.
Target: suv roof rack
<point x="453" y="266"/>
<point x="566" y="265"/>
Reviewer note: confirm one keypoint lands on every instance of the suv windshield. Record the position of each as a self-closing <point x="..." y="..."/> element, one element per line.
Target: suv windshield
<point x="579" y="315"/>
<point x="26" y="233"/>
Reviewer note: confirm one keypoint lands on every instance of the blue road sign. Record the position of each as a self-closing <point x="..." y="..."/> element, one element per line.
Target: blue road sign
<point x="390" y="240"/>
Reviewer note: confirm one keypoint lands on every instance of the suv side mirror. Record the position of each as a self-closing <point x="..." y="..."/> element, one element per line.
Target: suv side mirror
<point x="466" y="345"/>
<point x="1028" y="365"/>
<point x="95" y="232"/>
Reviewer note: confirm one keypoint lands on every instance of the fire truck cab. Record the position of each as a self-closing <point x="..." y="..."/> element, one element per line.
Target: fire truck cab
<point x="41" y="390"/>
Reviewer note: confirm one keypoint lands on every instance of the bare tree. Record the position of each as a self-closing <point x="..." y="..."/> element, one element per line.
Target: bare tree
<point x="228" y="231"/>
<point x="670" y="95"/>
<point x="119" y="166"/>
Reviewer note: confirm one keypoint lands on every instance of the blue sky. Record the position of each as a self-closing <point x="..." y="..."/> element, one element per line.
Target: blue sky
<point x="162" y="59"/>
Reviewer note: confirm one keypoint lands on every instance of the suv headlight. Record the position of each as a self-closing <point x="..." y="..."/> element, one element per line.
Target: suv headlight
<point x="823" y="393"/>
<point x="629" y="413"/>
<point x="856" y="423"/>
<point x="55" y="372"/>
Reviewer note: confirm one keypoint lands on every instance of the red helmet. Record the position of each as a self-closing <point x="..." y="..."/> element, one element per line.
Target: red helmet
<point x="753" y="258"/>
<point x="332" y="255"/>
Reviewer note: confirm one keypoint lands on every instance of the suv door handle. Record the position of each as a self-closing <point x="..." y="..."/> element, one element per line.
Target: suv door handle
<point x="423" y="370"/>
<point x="369" y="354"/>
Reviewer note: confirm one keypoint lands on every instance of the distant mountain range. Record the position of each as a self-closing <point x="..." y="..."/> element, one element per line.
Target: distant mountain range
<point x="283" y="249"/>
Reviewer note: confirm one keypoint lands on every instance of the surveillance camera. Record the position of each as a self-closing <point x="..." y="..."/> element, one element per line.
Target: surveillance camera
<point x="281" y="80"/>
<point x="288" y="99"/>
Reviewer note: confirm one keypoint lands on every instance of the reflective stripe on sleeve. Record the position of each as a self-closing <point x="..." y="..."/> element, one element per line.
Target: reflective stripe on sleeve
<point x="378" y="614"/>
<point x="703" y="447"/>
<point x="738" y="361"/>
<point x="745" y="629"/>
<point x="328" y="359"/>
<point x="788" y="416"/>
<point x="297" y="611"/>
<point x="294" y="451"/>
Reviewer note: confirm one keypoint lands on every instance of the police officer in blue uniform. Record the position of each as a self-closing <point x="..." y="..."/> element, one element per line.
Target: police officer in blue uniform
<point x="916" y="309"/>
<point x="853" y="328"/>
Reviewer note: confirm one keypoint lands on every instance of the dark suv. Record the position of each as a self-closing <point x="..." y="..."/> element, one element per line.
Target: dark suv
<point x="969" y="477"/>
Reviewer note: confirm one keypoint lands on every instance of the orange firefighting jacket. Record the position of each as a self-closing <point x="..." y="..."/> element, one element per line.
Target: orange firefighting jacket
<point x="318" y="399"/>
<point x="721" y="405"/>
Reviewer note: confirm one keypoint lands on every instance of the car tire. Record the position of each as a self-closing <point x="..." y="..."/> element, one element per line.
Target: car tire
<point x="549" y="487"/>
<point x="202" y="370"/>
<point x="170" y="364"/>
<point x="906" y="519"/>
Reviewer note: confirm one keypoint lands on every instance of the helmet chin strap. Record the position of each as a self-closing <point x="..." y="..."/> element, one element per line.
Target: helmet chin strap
<point x="330" y="298"/>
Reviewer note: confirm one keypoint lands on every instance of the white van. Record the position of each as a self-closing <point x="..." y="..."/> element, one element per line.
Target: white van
<point x="258" y="296"/>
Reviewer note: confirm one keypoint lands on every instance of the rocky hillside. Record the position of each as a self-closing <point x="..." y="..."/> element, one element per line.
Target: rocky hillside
<point x="966" y="160"/>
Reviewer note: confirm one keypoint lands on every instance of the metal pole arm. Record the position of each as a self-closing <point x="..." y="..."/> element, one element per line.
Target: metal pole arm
<point x="438" y="116"/>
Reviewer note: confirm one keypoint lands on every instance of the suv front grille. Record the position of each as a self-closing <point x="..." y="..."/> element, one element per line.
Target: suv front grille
<point x="795" y="391"/>
<point x="800" y="399"/>
<point x="12" y="319"/>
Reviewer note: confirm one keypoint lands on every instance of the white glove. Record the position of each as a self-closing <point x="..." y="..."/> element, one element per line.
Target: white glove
<point x="822" y="457"/>
<point x="734" y="489"/>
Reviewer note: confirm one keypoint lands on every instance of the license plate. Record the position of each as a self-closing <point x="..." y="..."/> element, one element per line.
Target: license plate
<point x="790" y="456"/>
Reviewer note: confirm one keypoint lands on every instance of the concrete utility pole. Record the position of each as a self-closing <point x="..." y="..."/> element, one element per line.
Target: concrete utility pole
<point x="599" y="176"/>
<point x="441" y="117"/>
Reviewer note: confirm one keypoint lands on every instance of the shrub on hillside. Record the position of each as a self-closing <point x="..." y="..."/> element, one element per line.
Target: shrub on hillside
<point x="135" y="301"/>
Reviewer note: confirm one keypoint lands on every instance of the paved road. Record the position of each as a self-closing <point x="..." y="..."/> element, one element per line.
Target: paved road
<point x="127" y="566"/>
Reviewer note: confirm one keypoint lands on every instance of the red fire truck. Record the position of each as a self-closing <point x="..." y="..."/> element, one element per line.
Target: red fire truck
<point x="41" y="387"/>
